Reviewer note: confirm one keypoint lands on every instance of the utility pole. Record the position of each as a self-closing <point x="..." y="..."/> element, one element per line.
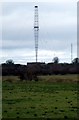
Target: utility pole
<point x="71" y="52"/>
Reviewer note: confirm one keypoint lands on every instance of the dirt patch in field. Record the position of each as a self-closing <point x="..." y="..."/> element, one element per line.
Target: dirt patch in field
<point x="10" y="78"/>
<point x="60" y="78"/>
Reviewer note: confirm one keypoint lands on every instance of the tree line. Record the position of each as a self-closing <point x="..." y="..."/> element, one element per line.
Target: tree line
<point x="32" y="70"/>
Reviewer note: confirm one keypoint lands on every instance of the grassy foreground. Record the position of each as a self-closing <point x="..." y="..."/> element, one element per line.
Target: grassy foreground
<point x="40" y="99"/>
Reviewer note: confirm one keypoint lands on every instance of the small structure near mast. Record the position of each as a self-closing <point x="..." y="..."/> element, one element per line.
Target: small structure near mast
<point x="36" y="30"/>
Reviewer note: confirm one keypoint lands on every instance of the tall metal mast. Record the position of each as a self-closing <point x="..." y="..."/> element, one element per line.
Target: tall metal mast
<point x="71" y="52"/>
<point x="36" y="29"/>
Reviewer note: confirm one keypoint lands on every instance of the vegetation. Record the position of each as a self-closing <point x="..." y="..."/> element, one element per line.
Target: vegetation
<point x="39" y="90"/>
<point x="75" y="61"/>
<point x="10" y="62"/>
<point x="32" y="70"/>
<point x="42" y="99"/>
<point x="56" y="60"/>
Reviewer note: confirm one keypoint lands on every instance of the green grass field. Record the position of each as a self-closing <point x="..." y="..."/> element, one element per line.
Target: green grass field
<point x="42" y="99"/>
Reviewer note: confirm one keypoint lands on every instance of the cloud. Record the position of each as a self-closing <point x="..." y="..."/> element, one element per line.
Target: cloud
<point x="29" y="56"/>
<point x="78" y="29"/>
<point x="40" y="1"/>
<point x="17" y="44"/>
<point x="57" y="23"/>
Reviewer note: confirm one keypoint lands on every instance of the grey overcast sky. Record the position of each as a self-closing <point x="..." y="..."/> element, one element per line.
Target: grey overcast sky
<point x="58" y="29"/>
